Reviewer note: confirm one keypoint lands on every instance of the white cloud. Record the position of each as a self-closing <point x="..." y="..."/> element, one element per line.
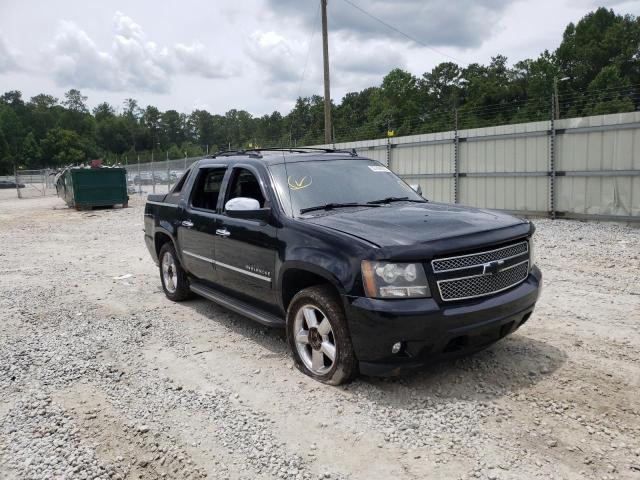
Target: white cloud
<point x="354" y="65"/>
<point x="75" y="60"/>
<point x="133" y="63"/>
<point x="459" y="23"/>
<point x="182" y="55"/>
<point x="8" y="57"/>
<point x="195" y="58"/>
<point x="277" y="55"/>
<point x="280" y="63"/>
<point x="376" y="57"/>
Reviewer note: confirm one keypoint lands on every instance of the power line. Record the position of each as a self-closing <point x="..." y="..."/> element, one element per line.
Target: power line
<point x="306" y="61"/>
<point x="397" y="30"/>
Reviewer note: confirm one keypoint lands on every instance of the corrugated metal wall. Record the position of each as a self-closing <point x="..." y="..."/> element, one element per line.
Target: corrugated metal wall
<point x="504" y="150"/>
<point x="425" y="160"/>
<point x="573" y="167"/>
<point x="593" y="145"/>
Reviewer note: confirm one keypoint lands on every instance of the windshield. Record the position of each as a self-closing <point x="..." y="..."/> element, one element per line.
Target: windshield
<point x="303" y="185"/>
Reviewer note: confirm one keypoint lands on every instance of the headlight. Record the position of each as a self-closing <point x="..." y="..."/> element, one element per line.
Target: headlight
<point x="532" y="256"/>
<point x="394" y="280"/>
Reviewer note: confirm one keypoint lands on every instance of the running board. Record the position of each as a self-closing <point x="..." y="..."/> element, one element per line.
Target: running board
<point x="238" y="306"/>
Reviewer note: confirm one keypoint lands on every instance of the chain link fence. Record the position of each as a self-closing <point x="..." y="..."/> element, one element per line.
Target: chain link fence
<point x="32" y="183"/>
<point x="142" y="179"/>
<point x="156" y="177"/>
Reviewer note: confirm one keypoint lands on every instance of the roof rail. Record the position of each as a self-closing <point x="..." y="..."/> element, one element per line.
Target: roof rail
<point x="230" y="153"/>
<point x="255" y="152"/>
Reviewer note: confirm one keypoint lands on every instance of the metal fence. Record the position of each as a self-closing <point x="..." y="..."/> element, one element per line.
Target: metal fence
<point x="586" y="167"/>
<point x="142" y="178"/>
<point x="156" y="177"/>
<point x="33" y="183"/>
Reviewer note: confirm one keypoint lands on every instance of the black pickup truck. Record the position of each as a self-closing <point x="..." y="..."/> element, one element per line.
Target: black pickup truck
<point x="363" y="272"/>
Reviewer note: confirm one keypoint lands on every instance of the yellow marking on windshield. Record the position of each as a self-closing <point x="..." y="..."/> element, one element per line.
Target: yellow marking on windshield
<point x="304" y="182"/>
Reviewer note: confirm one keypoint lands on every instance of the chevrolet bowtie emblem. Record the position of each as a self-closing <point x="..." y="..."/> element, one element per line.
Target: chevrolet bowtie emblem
<point x="492" y="268"/>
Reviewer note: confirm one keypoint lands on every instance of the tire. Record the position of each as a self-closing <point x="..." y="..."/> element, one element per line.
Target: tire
<point x="175" y="282"/>
<point x="312" y="345"/>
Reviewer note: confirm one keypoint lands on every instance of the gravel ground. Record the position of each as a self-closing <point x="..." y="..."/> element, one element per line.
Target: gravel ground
<point x="102" y="377"/>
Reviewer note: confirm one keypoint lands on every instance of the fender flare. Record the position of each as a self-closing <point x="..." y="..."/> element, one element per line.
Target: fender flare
<point x="164" y="231"/>
<point x="329" y="276"/>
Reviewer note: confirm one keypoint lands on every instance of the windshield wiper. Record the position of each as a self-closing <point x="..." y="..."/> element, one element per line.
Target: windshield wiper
<point x="394" y="199"/>
<point x="331" y="206"/>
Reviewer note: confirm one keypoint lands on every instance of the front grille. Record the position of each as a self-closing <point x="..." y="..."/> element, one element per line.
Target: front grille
<point x="474" y="259"/>
<point x="480" y="285"/>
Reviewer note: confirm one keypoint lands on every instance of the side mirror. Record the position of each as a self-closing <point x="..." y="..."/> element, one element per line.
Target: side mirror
<point x="417" y="188"/>
<point x="246" y="208"/>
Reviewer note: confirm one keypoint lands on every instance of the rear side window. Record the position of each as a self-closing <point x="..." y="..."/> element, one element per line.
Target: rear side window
<point x="207" y="188"/>
<point x="174" y="194"/>
<point x="181" y="182"/>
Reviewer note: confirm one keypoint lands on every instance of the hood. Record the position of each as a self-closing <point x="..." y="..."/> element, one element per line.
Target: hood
<point x="413" y="224"/>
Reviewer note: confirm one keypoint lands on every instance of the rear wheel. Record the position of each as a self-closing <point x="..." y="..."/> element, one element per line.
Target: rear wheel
<point x="175" y="282"/>
<point x="318" y="336"/>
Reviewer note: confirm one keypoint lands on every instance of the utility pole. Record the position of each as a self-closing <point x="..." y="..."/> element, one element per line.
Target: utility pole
<point x="556" y="97"/>
<point x="556" y="101"/>
<point x="327" y="89"/>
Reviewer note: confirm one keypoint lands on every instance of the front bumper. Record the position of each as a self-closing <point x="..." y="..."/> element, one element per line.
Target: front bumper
<point x="430" y="331"/>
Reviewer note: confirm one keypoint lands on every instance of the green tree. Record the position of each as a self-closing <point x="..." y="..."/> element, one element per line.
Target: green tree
<point x="597" y="59"/>
<point x="13" y="129"/>
<point x="175" y="152"/>
<point x="173" y="126"/>
<point x="599" y="39"/>
<point x="6" y="161"/>
<point x="131" y="108"/>
<point x="31" y="153"/>
<point x="43" y="101"/>
<point x="608" y="93"/>
<point x="103" y="111"/>
<point x="13" y="99"/>
<point x="63" y="147"/>
<point x="75" y="101"/>
<point x="397" y="102"/>
<point x="113" y="135"/>
<point x="202" y="126"/>
<point x="191" y="150"/>
<point x="151" y="121"/>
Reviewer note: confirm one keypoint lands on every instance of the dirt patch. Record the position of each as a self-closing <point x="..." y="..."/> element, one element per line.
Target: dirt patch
<point x="111" y="380"/>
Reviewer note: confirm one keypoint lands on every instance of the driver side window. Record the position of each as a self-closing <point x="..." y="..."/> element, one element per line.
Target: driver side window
<point x="245" y="184"/>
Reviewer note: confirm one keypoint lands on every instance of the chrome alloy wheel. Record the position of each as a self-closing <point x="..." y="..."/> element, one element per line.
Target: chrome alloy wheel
<point x="169" y="272"/>
<point x="314" y="339"/>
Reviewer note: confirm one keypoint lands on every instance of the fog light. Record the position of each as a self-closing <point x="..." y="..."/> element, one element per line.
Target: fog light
<point x="396" y="347"/>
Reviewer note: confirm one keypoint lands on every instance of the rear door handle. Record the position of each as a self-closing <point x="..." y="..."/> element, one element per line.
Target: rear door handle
<point x="187" y="223"/>
<point x="223" y="232"/>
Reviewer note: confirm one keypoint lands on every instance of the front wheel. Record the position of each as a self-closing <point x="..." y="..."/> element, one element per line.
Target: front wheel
<point x="175" y="282"/>
<point x="318" y="336"/>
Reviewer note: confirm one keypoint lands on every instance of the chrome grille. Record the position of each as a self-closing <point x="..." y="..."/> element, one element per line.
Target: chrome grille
<point x="481" y="285"/>
<point x="480" y="258"/>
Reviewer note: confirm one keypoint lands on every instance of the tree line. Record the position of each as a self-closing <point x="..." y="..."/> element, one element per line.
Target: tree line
<point x="596" y="69"/>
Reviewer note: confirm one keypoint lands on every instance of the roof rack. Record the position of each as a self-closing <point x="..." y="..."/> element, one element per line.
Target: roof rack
<point x="230" y="153"/>
<point x="255" y="152"/>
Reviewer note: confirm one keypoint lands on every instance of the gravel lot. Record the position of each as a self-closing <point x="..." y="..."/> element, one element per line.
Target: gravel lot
<point x="102" y="377"/>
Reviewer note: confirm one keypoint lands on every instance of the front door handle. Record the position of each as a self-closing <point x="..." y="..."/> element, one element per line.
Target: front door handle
<point x="187" y="223"/>
<point x="223" y="232"/>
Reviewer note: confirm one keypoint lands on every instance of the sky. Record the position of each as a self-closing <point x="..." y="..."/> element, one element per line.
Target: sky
<point x="258" y="55"/>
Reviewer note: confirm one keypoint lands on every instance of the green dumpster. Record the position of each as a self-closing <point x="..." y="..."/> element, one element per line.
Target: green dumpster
<point x="93" y="187"/>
